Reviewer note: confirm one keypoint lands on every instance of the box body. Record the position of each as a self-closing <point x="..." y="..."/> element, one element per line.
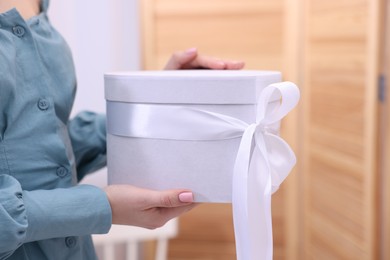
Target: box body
<point x="205" y="167"/>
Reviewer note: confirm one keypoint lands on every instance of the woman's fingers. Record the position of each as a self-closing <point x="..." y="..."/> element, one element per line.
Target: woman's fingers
<point x="190" y="59"/>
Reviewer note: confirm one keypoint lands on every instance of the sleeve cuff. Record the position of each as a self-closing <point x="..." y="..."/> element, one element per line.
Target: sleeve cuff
<point x="77" y="211"/>
<point x="13" y="219"/>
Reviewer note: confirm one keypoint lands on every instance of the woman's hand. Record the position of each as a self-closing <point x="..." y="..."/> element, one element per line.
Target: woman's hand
<point x="146" y="208"/>
<point x="190" y="59"/>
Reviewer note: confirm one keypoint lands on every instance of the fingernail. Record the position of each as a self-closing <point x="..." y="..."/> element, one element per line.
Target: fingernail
<point x="186" y="197"/>
<point x="191" y="51"/>
<point x="221" y="64"/>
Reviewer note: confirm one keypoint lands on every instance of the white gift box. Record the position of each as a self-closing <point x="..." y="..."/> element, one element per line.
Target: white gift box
<point x="143" y="151"/>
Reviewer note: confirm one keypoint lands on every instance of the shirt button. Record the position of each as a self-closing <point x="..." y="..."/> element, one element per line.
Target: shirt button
<point x="62" y="172"/>
<point x="18" y="30"/>
<point x="43" y="104"/>
<point x="70" y="242"/>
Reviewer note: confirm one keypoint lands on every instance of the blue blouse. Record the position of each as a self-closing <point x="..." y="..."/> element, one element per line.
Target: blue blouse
<point x="43" y="154"/>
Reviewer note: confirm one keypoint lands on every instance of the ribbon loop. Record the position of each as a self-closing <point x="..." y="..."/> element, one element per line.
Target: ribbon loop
<point x="289" y="97"/>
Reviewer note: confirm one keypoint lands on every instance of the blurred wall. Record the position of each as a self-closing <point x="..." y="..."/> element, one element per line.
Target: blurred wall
<point x="103" y="36"/>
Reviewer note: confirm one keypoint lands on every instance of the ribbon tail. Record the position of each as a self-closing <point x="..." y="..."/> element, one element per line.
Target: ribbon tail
<point x="240" y="195"/>
<point x="259" y="200"/>
<point x="252" y="199"/>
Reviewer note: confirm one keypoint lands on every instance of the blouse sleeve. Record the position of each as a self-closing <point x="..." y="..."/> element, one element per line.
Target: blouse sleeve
<point x="13" y="217"/>
<point x="27" y="216"/>
<point x="88" y="135"/>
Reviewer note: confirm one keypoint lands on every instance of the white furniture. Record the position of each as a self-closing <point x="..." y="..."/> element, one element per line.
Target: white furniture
<point x="132" y="236"/>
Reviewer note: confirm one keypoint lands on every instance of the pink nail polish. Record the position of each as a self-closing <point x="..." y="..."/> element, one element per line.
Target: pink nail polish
<point x="220" y="64"/>
<point x="186" y="197"/>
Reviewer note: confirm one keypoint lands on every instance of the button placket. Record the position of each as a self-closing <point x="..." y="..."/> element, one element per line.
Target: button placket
<point x="43" y="104"/>
<point x="19" y="195"/>
<point x="70" y="242"/>
<point x="18" y="30"/>
<point x="61" y="172"/>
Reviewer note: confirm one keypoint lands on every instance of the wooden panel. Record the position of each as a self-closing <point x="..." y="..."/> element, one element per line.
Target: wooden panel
<point x="205" y="233"/>
<point x="292" y="130"/>
<point x="385" y="145"/>
<point x="384" y="139"/>
<point x="341" y="55"/>
<point x="249" y="30"/>
<point x="243" y="30"/>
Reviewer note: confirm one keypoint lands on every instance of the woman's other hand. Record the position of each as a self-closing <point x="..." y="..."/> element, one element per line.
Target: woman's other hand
<point x="146" y="208"/>
<point x="190" y="59"/>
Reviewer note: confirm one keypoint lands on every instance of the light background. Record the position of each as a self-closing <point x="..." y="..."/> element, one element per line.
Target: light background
<point x="103" y="36"/>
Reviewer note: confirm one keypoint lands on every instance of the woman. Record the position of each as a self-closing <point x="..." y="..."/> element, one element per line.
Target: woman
<point x="43" y="154"/>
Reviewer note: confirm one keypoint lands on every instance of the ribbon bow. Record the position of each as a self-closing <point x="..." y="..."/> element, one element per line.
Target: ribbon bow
<point x="263" y="161"/>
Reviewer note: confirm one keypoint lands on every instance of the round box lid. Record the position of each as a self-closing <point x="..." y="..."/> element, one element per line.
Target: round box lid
<point x="188" y="86"/>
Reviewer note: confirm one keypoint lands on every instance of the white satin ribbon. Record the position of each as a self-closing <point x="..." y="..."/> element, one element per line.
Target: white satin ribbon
<point x="259" y="173"/>
<point x="263" y="159"/>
